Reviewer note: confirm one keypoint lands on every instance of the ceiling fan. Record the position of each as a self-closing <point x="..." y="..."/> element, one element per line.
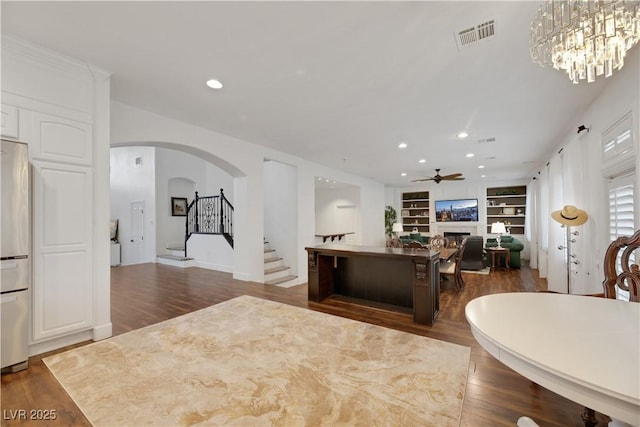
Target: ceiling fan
<point x="437" y="178"/>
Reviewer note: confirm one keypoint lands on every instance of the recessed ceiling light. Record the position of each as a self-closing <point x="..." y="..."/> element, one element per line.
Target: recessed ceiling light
<point x="326" y="180"/>
<point x="481" y="167"/>
<point x="402" y="145"/>
<point x="469" y="155"/>
<point x="319" y="178"/>
<point x="462" y="135"/>
<point x="422" y="161"/>
<point x="403" y="174"/>
<point x="483" y="176"/>
<point x="214" y="84"/>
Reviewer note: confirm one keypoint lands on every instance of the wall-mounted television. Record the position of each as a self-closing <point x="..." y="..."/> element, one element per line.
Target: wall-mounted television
<point x="456" y="210"/>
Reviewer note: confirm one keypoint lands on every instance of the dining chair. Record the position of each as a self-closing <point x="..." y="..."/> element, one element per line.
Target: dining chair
<point x="625" y="274"/>
<point x="438" y="242"/>
<point x="415" y="245"/>
<point x="454" y="268"/>
<point x="394" y="242"/>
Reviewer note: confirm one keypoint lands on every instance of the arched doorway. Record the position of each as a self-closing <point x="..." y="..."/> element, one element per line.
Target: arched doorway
<point x="154" y="174"/>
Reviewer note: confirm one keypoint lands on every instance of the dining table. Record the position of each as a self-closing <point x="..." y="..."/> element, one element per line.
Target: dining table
<point x="447" y="253"/>
<point x="584" y="348"/>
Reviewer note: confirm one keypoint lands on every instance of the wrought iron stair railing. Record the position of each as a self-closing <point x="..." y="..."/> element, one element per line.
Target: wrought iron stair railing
<point x="209" y="215"/>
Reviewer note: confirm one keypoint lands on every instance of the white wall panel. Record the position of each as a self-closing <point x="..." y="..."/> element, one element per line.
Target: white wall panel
<point x="281" y="211"/>
<point x="9" y="121"/>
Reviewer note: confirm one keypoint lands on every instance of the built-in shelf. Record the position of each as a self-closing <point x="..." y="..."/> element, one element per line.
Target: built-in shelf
<point x="415" y="211"/>
<point x="508" y="205"/>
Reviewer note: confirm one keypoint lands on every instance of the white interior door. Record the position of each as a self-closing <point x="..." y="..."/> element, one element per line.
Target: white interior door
<point x="136" y="244"/>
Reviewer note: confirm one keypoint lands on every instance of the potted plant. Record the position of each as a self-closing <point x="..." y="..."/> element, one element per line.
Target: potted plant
<point x="390" y="217"/>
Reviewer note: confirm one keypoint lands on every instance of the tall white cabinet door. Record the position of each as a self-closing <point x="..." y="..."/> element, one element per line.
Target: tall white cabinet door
<point x="62" y="244"/>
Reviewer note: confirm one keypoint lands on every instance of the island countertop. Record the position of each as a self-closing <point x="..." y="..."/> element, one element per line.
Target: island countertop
<point x="339" y="248"/>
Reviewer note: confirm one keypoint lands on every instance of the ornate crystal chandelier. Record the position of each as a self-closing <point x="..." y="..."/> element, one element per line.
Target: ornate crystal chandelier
<point x="585" y="38"/>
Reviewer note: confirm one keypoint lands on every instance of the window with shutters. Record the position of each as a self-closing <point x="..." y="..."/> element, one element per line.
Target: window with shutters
<point x="617" y="140"/>
<point x="621" y="215"/>
<point x="618" y="152"/>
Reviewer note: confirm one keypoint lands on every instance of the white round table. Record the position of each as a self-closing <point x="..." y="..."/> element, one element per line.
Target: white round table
<point x="586" y="349"/>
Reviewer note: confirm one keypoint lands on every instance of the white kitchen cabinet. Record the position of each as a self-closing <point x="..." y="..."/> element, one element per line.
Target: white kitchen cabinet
<point x="61" y="140"/>
<point x="61" y="110"/>
<point x="62" y="249"/>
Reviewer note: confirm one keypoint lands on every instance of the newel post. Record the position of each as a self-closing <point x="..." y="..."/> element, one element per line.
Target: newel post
<point x="196" y="221"/>
<point x="221" y="211"/>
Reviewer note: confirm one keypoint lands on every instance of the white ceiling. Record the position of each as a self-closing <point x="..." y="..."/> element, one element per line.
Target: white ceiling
<point x="338" y="83"/>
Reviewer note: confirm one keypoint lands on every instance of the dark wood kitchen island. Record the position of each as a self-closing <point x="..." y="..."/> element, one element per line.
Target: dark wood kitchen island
<point x="395" y="278"/>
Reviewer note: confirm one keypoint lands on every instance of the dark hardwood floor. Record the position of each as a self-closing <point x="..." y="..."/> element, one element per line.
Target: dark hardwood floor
<point x="149" y="293"/>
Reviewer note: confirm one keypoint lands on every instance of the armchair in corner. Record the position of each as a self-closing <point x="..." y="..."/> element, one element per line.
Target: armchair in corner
<point x="515" y="246"/>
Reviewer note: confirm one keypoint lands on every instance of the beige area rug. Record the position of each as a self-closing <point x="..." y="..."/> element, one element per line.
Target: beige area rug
<point x="253" y="362"/>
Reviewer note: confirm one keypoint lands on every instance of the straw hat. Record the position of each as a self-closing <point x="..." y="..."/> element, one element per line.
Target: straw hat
<point x="570" y="215"/>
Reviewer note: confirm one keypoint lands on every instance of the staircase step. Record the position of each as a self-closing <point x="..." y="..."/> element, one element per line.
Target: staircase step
<point x="176" y="261"/>
<point x="281" y="280"/>
<point x="273" y="259"/>
<point x="175" y="257"/>
<point x="175" y="248"/>
<point x="274" y="270"/>
<point x="175" y="252"/>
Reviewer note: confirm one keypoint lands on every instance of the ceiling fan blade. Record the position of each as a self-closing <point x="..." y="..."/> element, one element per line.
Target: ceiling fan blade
<point x="453" y="175"/>
<point x="456" y="178"/>
<point x="422" y="179"/>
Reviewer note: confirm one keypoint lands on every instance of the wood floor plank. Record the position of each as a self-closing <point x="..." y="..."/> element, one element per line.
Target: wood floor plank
<point x="145" y="294"/>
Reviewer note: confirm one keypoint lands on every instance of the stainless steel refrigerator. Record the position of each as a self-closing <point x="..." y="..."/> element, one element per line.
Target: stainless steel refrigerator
<point x="15" y="270"/>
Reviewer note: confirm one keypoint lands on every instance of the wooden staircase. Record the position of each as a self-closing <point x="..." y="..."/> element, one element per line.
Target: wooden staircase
<point x="275" y="272"/>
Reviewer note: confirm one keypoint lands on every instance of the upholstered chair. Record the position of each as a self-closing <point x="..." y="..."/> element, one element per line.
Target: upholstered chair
<point x="474" y="253"/>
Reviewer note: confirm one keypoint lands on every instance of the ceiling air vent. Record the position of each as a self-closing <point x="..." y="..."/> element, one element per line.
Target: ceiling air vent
<point x="475" y="34"/>
<point x="486" y="140"/>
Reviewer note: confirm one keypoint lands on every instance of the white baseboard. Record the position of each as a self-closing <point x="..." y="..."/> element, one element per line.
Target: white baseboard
<point x="102" y="332"/>
<point x="56" y="343"/>
<point x="213" y="266"/>
<point x="244" y="276"/>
